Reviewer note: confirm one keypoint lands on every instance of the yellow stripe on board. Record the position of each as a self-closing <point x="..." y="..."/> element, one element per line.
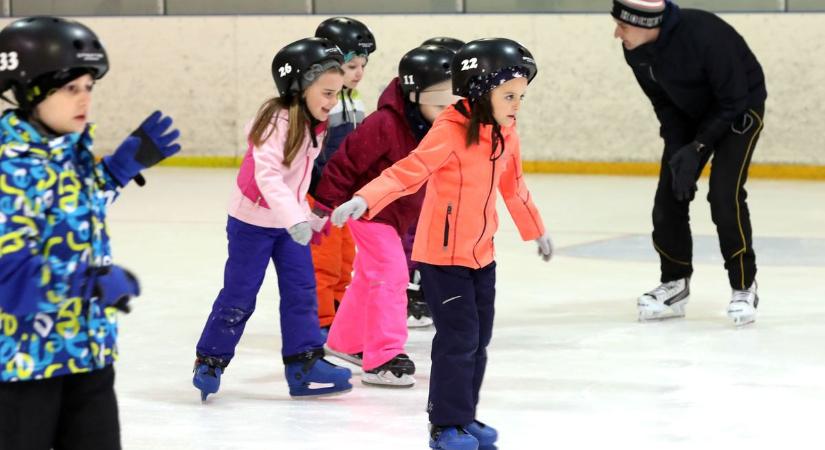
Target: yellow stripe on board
<point x="202" y="161"/>
<point x="775" y="171"/>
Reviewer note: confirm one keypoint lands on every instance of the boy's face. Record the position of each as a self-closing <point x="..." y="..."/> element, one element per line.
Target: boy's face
<point x="354" y="71"/>
<point x="67" y="109"/>
<point x="431" y="112"/>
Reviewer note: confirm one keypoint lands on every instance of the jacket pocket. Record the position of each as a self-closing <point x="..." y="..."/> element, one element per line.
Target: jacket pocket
<point x="447" y="225"/>
<point x="742" y="124"/>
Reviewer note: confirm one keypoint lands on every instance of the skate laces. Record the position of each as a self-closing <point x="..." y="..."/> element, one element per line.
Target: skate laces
<point x="668" y="289"/>
<point x="747" y="296"/>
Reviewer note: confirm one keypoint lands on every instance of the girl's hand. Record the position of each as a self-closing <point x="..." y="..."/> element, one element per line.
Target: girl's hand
<point x="300" y="233"/>
<point x="545" y="247"/>
<point x="353" y="209"/>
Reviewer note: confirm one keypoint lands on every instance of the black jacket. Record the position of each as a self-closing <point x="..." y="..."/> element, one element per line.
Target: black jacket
<point x="699" y="74"/>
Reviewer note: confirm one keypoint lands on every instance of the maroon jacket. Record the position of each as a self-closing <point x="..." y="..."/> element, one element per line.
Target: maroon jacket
<point x="382" y="139"/>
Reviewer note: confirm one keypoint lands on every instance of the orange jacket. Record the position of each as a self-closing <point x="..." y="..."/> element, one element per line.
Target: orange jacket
<point x="458" y="217"/>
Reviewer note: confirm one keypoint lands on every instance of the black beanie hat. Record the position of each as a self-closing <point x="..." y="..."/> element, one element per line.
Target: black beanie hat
<point x="639" y="13"/>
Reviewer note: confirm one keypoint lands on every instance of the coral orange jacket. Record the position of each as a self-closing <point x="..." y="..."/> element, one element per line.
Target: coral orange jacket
<point x="459" y="218"/>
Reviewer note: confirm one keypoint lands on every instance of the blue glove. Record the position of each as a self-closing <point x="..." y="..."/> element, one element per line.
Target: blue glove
<point x="115" y="287"/>
<point x="148" y="145"/>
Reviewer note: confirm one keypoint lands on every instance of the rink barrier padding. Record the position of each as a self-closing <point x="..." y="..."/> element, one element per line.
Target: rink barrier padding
<point x="618" y="168"/>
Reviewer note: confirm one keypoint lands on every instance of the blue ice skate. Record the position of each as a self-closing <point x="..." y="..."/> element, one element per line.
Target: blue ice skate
<point x="207" y="376"/>
<point x="310" y="376"/>
<point x="452" y="438"/>
<point x="485" y="434"/>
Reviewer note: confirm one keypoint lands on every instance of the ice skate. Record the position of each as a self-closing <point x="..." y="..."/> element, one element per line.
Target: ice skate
<point x="665" y="302"/>
<point x="310" y="376"/>
<point x="451" y="438"/>
<point x="208" y="371"/>
<point x="742" y="307"/>
<point x="397" y="372"/>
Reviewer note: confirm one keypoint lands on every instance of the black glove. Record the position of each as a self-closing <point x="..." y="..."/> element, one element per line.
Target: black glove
<point x="684" y="168"/>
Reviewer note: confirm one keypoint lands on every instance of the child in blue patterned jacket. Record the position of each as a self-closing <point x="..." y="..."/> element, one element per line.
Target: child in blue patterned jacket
<point x="59" y="291"/>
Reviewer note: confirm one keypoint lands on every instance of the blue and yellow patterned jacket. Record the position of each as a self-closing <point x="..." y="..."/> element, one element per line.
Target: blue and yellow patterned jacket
<point x="53" y="200"/>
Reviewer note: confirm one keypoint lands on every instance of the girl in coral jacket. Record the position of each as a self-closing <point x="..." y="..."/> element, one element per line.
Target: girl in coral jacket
<point x="269" y="218"/>
<point x="371" y="324"/>
<point x="471" y="149"/>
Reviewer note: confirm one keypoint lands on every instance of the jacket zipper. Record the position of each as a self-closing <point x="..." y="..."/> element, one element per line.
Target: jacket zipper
<point x="447" y="225"/>
<point x="486" y="202"/>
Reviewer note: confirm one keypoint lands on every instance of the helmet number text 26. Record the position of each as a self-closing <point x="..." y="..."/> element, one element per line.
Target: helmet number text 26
<point x="285" y="69"/>
<point x="468" y="64"/>
<point x="8" y="61"/>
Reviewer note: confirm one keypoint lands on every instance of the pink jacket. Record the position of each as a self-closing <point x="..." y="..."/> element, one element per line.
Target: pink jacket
<point x="268" y="193"/>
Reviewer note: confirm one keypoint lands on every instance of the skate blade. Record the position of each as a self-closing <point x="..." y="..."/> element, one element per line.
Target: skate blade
<point x="388" y="385"/>
<point x="660" y="316"/>
<point x="343" y="356"/>
<point x="319" y="395"/>
<point x="741" y="321"/>
<point x="419" y="324"/>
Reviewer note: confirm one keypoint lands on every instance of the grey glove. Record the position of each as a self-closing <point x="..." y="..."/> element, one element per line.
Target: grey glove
<point x="545" y="247"/>
<point x="301" y="233"/>
<point x="353" y="209"/>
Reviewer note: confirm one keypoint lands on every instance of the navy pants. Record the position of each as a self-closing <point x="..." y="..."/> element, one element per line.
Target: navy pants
<point x="250" y="249"/>
<point x="462" y="303"/>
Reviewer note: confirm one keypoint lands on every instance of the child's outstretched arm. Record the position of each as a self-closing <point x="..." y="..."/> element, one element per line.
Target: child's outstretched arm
<point x="405" y="176"/>
<point x="520" y="204"/>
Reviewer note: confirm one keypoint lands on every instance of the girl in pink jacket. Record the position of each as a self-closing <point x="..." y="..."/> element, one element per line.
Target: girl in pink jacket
<point x="269" y="218"/>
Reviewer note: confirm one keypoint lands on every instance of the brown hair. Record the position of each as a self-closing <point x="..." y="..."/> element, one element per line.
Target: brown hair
<point x="481" y="113"/>
<point x="299" y="120"/>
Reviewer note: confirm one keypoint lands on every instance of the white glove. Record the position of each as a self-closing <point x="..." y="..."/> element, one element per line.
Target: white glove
<point x="545" y="247"/>
<point x="353" y="209"/>
<point x="301" y="233"/>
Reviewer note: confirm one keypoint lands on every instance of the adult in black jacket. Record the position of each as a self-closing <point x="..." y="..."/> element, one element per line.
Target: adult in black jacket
<point x="708" y="91"/>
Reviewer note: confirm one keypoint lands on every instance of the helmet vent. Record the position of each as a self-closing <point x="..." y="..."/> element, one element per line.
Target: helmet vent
<point x="78" y="44"/>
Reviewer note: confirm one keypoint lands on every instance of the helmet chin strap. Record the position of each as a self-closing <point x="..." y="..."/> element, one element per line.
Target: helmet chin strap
<point x="313" y="122"/>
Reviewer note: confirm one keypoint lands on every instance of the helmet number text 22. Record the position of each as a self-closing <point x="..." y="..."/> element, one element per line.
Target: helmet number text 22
<point x="468" y="64"/>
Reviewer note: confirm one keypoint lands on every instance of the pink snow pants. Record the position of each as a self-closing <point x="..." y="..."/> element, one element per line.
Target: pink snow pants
<point x="372" y="317"/>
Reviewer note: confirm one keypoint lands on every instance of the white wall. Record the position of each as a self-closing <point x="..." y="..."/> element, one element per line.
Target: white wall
<point x="211" y="74"/>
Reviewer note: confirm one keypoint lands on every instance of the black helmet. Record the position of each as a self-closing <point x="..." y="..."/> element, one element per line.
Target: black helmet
<point x="350" y="35"/>
<point x="36" y="46"/>
<point x="423" y="67"/>
<point x="451" y="43"/>
<point x="481" y="57"/>
<point x="299" y="63"/>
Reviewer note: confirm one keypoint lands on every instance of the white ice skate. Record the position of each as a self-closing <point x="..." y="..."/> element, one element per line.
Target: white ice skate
<point x="742" y="307"/>
<point x="665" y="302"/>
